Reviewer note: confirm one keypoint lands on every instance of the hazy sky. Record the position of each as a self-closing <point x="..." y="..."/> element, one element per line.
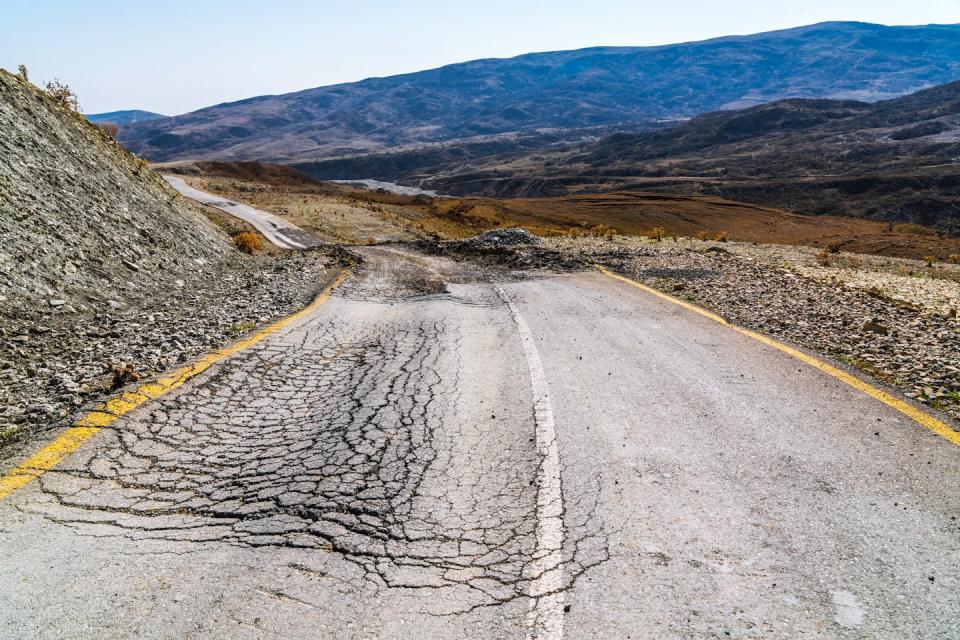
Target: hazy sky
<point x="177" y="56"/>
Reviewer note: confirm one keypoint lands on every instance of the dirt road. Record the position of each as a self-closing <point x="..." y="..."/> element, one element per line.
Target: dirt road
<point x="448" y="451"/>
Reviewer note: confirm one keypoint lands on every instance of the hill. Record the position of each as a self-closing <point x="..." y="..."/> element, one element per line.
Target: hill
<point x="124" y="117"/>
<point x="604" y="86"/>
<point x="891" y="160"/>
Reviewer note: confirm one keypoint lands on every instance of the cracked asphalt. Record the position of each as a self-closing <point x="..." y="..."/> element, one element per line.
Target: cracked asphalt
<point x="452" y="451"/>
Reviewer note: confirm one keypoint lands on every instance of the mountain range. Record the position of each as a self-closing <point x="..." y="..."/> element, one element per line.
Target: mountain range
<point x="897" y="159"/>
<point x="632" y="88"/>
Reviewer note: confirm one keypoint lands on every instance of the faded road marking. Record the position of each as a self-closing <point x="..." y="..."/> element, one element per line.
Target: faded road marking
<point x="545" y="618"/>
<point x="921" y="417"/>
<point x="107" y="413"/>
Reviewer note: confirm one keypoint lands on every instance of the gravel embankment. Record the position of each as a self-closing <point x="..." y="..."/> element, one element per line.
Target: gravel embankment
<point x="54" y="360"/>
<point x="901" y="337"/>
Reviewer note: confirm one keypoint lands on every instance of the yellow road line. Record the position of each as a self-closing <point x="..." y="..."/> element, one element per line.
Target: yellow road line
<point x="921" y="417"/>
<point x="108" y="412"/>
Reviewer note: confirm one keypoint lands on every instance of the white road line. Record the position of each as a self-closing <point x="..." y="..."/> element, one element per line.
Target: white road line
<point x="545" y="618"/>
<point x="270" y="225"/>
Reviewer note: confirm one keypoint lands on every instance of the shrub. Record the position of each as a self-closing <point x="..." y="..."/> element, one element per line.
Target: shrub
<point x="123" y="374"/>
<point x="721" y="236"/>
<point x="930" y="260"/>
<point x="834" y="247"/>
<point x="702" y="235"/>
<point x="656" y="233"/>
<point x="22" y="72"/>
<point x="603" y="231"/>
<point x="954" y="258"/>
<point x="248" y="242"/>
<point x="62" y="94"/>
<point x="823" y="258"/>
<point x="109" y="128"/>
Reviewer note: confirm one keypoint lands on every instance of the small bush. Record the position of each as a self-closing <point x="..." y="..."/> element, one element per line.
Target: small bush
<point x="930" y="260"/>
<point x="954" y="258"/>
<point x="22" y="72"/>
<point x="248" y="242"/>
<point x="123" y="374"/>
<point x="823" y="258"/>
<point x="62" y="94"/>
<point x="834" y="247"/>
<point x="721" y="236"/>
<point x="656" y="233"/>
<point x="109" y="128"/>
<point x="702" y="235"/>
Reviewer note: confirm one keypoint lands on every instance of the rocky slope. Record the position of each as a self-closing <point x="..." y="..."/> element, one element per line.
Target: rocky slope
<point x="102" y="264"/>
<point x="567" y="89"/>
<point x="83" y="224"/>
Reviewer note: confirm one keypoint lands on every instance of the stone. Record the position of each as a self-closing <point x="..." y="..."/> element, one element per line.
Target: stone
<point x="876" y="327"/>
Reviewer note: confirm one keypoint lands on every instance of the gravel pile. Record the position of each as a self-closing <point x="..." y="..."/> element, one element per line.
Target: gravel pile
<point x="907" y="346"/>
<point x="54" y="361"/>
<point x="513" y="248"/>
<point x="496" y="239"/>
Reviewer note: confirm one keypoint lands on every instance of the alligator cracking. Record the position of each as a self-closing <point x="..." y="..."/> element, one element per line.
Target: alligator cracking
<point x="354" y="433"/>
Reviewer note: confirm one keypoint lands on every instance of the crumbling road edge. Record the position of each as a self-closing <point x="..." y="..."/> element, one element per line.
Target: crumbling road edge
<point x="109" y="411"/>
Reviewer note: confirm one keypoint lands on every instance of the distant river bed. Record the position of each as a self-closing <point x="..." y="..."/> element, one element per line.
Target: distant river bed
<point x="389" y="186"/>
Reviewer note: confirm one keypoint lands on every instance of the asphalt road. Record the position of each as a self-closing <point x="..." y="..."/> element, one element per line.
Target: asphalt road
<point x="441" y="451"/>
<point x="275" y="229"/>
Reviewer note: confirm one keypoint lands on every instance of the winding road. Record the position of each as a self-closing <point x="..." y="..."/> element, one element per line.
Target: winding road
<point x="280" y="232"/>
<point x="444" y="451"/>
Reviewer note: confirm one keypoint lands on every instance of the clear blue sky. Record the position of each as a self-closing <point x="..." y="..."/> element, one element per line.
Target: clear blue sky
<point x="177" y="56"/>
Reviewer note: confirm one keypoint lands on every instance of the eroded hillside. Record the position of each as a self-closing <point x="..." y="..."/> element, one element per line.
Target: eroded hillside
<point x="82" y="222"/>
<point x="103" y="268"/>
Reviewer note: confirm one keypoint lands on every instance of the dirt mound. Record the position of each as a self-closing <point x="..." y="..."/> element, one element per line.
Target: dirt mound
<point x="84" y="224"/>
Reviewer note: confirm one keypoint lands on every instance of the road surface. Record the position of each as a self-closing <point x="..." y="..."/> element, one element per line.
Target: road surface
<point x="443" y="451"/>
<point x="277" y="230"/>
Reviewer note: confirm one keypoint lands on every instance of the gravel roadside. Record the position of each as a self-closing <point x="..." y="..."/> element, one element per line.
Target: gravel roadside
<point x="55" y="360"/>
<point x="898" y="329"/>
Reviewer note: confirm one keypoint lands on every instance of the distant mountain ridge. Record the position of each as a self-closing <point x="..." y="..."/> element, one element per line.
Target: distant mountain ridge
<point x="603" y="86"/>
<point x="896" y="160"/>
<point x="124" y="117"/>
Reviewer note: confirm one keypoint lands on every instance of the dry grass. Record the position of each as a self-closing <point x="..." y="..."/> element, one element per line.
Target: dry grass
<point x="109" y="128"/>
<point x="913" y="229"/>
<point x="318" y="206"/>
